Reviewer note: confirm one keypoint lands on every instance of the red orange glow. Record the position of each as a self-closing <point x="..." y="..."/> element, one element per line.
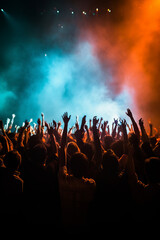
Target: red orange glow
<point x="129" y="47"/>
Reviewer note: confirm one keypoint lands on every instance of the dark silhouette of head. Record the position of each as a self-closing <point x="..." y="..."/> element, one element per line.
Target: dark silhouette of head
<point x="33" y="141"/>
<point x="110" y="163"/>
<point x="79" y="165"/>
<point x="108" y="140"/>
<point x="12" y="160"/>
<point x="117" y="147"/>
<point x="88" y="150"/>
<point x="133" y="139"/>
<point x="72" y="148"/>
<point x="38" y="154"/>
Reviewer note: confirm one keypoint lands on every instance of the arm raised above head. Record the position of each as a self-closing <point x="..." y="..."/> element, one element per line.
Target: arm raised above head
<point x="62" y="155"/>
<point x="135" y="126"/>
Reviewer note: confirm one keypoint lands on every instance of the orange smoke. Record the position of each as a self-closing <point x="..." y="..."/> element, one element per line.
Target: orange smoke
<point x="127" y="45"/>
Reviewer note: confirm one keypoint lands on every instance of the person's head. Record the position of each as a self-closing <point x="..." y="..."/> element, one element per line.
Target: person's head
<point x="72" y="148"/>
<point x="13" y="137"/>
<point x="33" y="141"/>
<point x="152" y="166"/>
<point x="108" y="140"/>
<point x="79" y="165"/>
<point x="117" y="147"/>
<point x="110" y="163"/>
<point x="88" y="150"/>
<point x="133" y="139"/>
<point x="12" y="160"/>
<point x="38" y="154"/>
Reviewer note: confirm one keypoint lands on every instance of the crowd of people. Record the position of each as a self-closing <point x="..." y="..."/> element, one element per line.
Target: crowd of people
<point x="82" y="177"/>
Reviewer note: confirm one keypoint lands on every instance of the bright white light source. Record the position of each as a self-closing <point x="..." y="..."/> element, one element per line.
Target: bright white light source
<point x="45" y="54"/>
<point x="84" y="13"/>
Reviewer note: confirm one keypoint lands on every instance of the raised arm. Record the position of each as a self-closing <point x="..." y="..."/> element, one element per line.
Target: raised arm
<point x="64" y="135"/>
<point x="62" y="154"/>
<point x="150" y="128"/>
<point x="21" y="133"/>
<point x="43" y="124"/>
<point x="79" y="134"/>
<point x="98" y="154"/>
<point x="39" y="126"/>
<point x="83" y="122"/>
<point x="145" y="137"/>
<point x="146" y="143"/>
<point x="135" y="126"/>
<point x="11" y="122"/>
<point x="114" y="128"/>
<point x="100" y="122"/>
<point x="88" y="136"/>
<point x="103" y="127"/>
<point x="125" y="136"/>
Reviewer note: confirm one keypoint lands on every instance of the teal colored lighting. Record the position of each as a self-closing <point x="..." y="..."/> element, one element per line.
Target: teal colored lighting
<point x="2" y="10"/>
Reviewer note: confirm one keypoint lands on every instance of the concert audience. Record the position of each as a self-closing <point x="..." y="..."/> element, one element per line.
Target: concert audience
<point x="78" y="180"/>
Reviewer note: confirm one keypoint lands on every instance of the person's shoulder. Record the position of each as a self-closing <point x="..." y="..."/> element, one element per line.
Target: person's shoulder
<point x="17" y="177"/>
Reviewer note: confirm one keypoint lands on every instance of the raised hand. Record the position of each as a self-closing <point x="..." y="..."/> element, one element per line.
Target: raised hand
<point x="64" y="135"/>
<point x="129" y="113"/>
<point x="66" y="118"/>
<point x="39" y="121"/>
<point x="95" y="121"/>
<point x="104" y="125"/>
<point x="135" y="126"/>
<point x="77" y="125"/>
<point x="54" y="124"/>
<point x="144" y="134"/>
<point x="141" y="123"/>
<point x="83" y="122"/>
<point x="123" y="122"/>
<point x="59" y="124"/>
<point x="12" y="120"/>
<point x="46" y="125"/>
<point x="115" y="122"/>
<point x="86" y="127"/>
<point x="26" y="123"/>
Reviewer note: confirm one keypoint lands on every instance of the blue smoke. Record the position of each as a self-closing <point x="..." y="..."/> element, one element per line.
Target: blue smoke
<point x="55" y="79"/>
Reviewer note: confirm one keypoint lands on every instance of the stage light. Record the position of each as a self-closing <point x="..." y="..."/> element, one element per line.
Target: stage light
<point x="84" y="13"/>
<point x="57" y="11"/>
<point x="109" y="10"/>
<point x="72" y="12"/>
<point x="2" y="10"/>
<point x="45" y="54"/>
<point x="96" y="9"/>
